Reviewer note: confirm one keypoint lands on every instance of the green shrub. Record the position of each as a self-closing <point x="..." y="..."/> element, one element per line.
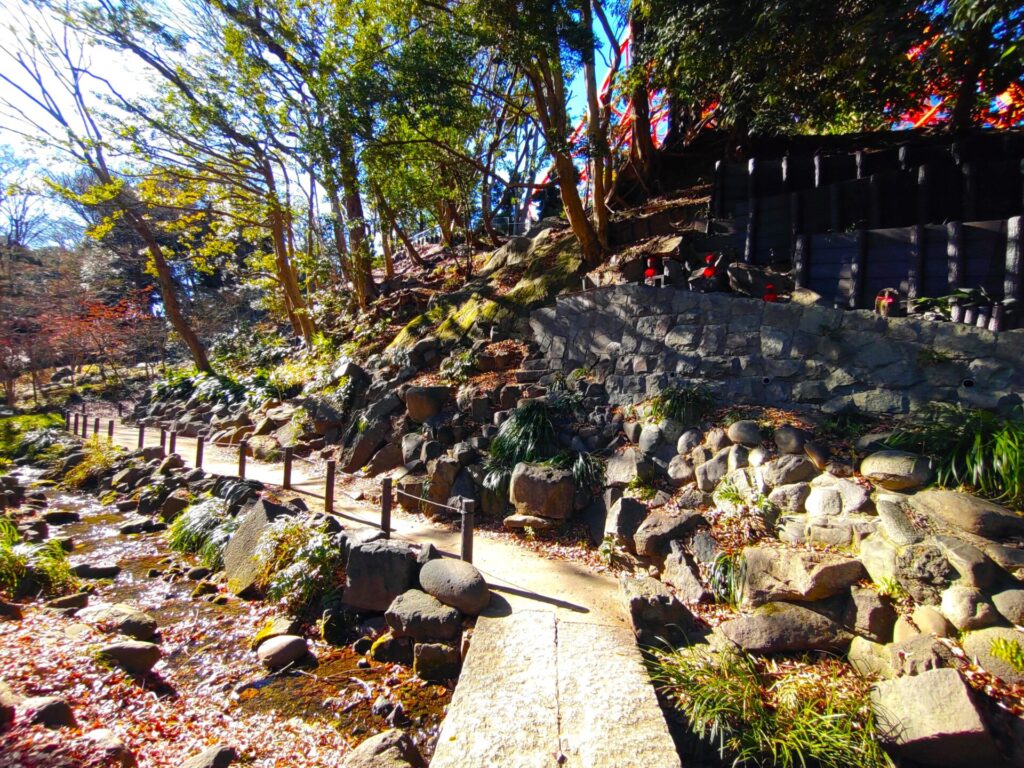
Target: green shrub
<point x="457" y="367"/>
<point x="299" y="563"/>
<point x="726" y="575"/>
<point x="1009" y="651"/>
<point x="203" y="529"/>
<point x="16" y="432"/>
<point x="754" y="714"/>
<point x="527" y="435"/>
<point x="588" y="470"/>
<point x="970" y="447"/>
<point x="687" y="405"/>
<point x="45" y="564"/>
<point x="100" y="457"/>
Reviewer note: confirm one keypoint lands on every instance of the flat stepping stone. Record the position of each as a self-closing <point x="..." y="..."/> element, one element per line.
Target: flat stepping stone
<point x="538" y="692"/>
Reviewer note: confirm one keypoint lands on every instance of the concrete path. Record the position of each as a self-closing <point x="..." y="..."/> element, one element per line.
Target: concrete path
<point x="553" y="675"/>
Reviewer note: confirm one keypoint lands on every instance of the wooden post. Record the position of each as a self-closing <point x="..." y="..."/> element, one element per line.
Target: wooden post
<point x="85" y="425"/>
<point x="243" y="446"/>
<point x="857" y="270"/>
<point x="468" y="510"/>
<point x="96" y="426"/>
<point x="915" y="276"/>
<point x="142" y="435"/>
<point x="752" y="212"/>
<point x="110" y="431"/>
<point x="67" y="421"/>
<point x="385" y="507"/>
<point x="120" y="409"/>
<point x="801" y="253"/>
<point x="199" y="451"/>
<point x="173" y="444"/>
<point x="795" y="216"/>
<point x="286" y="483"/>
<point x="329" y="486"/>
<point x="75" y="430"/>
<point x="163" y="438"/>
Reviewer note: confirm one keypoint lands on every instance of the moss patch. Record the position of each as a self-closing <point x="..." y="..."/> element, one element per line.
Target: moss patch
<point x="553" y="266"/>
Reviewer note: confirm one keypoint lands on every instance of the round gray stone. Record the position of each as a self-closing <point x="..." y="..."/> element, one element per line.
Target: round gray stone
<point x="282" y="650"/>
<point x="133" y="656"/>
<point x="745" y="432"/>
<point x="456" y="583"/>
<point x="790" y="440"/>
<point x="896" y="470"/>
<point x="689" y="440"/>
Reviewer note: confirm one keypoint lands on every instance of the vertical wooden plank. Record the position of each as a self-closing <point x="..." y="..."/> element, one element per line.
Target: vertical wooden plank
<point x="75" y="430"/>
<point x="286" y="482"/>
<point x="875" y="201"/>
<point x="142" y="435"/>
<point x="468" y="521"/>
<point x="172" y="445"/>
<point x="819" y="171"/>
<point x="243" y="446"/>
<point x="110" y="431"/>
<point x="857" y="270"/>
<point x="795" y="215"/>
<point x="752" y="213"/>
<point x="801" y="253"/>
<point x="329" y="486"/>
<point x="1014" y="254"/>
<point x="85" y="425"/>
<point x="969" y="171"/>
<point x="861" y="163"/>
<point x="954" y="255"/>
<point x="924" y="205"/>
<point x="200" y="442"/>
<point x="835" y="208"/>
<point x="915" y="276"/>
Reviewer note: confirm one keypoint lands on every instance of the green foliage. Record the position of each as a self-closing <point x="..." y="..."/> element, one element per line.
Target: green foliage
<point x="588" y="470"/>
<point x="526" y="435"/>
<point x="687" y="405"/>
<point x="608" y="549"/>
<point x="1009" y="651"/>
<point x="889" y="587"/>
<point x="971" y="447"/>
<point x="44" y="565"/>
<point x="755" y="715"/>
<point x="100" y="457"/>
<point x="641" y="489"/>
<point x="457" y="367"/>
<point x="726" y="575"/>
<point x="16" y="433"/>
<point x="300" y="563"/>
<point x="848" y="426"/>
<point x="203" y="529"/>
<point x="729" y="493"/>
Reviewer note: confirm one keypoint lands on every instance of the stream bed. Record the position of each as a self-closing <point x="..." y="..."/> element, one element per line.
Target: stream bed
<point x="207" y="657"/>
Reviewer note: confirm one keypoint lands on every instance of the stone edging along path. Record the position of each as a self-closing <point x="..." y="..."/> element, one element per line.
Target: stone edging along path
<point x="553" y="676"/>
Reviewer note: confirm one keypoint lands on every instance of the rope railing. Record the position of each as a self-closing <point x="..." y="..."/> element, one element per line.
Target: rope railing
<point x="78" y="424"/>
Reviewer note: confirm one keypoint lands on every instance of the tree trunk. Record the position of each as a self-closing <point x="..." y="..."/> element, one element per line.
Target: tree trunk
<point x="597" y="140"/>
<point x="359" y="249"/>
<point x="389" y="260"/>
<point x="410" y="247"/>
<point x="593" y="252"/>
<point x="279" y="226"/>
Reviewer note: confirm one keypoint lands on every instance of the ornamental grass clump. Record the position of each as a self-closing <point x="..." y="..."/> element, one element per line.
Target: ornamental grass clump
<point x="760" y="712"/>
<point x="970" y="447"/>
<point x="686" y="405"/>
<point x="203" y="529"/>
<point x="32" y="568"/>
<point x="526" y="435"/>
<point x="300" y="563"/>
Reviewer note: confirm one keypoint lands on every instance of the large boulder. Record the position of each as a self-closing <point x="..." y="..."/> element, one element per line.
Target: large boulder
<point x="772" y="574"/>
<point x="662" y="526"/>
<point x="48" y="711"/>
<point x="870" y="615"/>
<point x="680" y="572"/>
<point x="133" y="656"/>
<point x="784" y="628"/>
<point x="436" y="661"/>
<point x="424" y="403"/>
<point x="422" y="617"/>
<point x="709" y="473"/>
<point x="120" y="618"/>
<point x="968" y="513"/>
<point x="745" y="432"/>
<point x="624" y="468"/>
<point x="897" y="470"/>
<point x="240" y="566"/>
<point x="455" y="583"/>
<point x="932" y="718"/>
<point x="390" y="749"/>
<point x="787" y="470"/>
<point x="656" y="614"/>
<point x="367" y="440"/>
<point x="980" y="644"/>
<point x="968" y="608"/>
<point x="624" y="519"/>
<point x="377" y="573"/>
<point x="542" y="491"/>
<point x="680" y="471"/>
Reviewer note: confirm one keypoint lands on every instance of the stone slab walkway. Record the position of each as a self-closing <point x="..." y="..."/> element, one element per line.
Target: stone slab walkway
<point x="537" y="691"/>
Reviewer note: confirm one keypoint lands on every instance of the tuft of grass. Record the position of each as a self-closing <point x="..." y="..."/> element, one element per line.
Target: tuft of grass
<point x="100" y="457"/>
<point x="757" y="713"/>
<point x="639" y="488"/>
<point x="527" y="435"/>
<point x="44" y="565"/>
<point x="300" y="564"/>
<point x="726" y="575"/>
<point x="687" y="405"/>
<point x="889" y="587"/>
<point x="970" y="447"/>
<point x="203" y="529"/>
<point x="1009" y="651"/>
<point x="588" y="470"/>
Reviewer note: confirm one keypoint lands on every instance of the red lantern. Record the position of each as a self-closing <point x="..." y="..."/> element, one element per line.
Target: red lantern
<point x="709" y="272"/>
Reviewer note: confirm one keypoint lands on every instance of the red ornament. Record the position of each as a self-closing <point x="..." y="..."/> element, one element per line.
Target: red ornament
<point x="649" y="272"/>
<point x="709" y="272"/>
<point x="709" y="259"/>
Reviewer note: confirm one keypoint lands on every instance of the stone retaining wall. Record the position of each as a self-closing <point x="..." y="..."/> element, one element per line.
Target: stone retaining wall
<point x="640" y="339"/>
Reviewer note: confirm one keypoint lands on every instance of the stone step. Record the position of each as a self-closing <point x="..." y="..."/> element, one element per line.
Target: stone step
<point x="536" y="692"/>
